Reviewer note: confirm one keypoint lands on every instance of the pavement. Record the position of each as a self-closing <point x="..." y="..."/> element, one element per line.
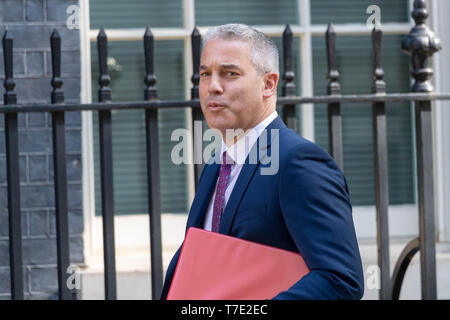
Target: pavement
<point x="133" y="260"/>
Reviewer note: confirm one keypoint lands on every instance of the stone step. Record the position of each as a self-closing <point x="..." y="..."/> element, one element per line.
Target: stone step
<point x="133" y="260"/>
<point x="133" y="274"/>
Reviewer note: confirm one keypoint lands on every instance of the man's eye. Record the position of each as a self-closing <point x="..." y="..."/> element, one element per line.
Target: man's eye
<point x="231" y="73"/>
<point x="204" y="74"/>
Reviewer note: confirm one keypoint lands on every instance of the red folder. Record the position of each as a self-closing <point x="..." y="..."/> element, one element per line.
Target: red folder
<point x="213" y="266"/>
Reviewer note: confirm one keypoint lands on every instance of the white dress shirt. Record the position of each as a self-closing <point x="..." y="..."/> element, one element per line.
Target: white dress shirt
<point x="238" y="153"/>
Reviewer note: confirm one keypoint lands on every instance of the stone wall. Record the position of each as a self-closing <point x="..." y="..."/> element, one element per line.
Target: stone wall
<point x="31" y="22"/>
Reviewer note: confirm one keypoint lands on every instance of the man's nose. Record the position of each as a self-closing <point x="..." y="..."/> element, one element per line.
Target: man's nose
<point x="215" y="86"/>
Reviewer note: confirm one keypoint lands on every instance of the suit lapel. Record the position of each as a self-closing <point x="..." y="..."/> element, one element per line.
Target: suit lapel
<point x="208" y="182"/>
<point x="203" y="195"/>
<point x="246" y="174"/>
<point x="235" y="198"/>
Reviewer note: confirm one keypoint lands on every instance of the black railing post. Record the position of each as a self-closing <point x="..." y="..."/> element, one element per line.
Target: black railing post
<point x="334" y="109"/>
<point x="421" y="44"/>
<point x="13" y="177"/>
<point x="150" y="92"/>
<point x="288" y="89"/>
<point x="153" y="178"/>
<point x="381" y="167"/>
<point x="197" y="115"/>
<point x="59" y="166"/>
<point x="106" y="169"/>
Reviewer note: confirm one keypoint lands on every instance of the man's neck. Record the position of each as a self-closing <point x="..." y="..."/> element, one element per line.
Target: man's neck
<point x="237" y="134"/>
<point x="233" y="139"/>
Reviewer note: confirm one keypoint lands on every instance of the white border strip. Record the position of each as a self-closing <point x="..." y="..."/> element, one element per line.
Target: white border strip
<point x="307" y="82"/>
<point x="441" y="118"/>
<point x="276" y="30"/>
<point x="87" y="151"/>
<point x="189" y="24"/>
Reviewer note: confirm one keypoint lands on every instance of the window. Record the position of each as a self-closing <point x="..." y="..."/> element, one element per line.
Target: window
<point x="126" y="68"/>
<point x="176" y="20"/>
<point x="354" y="59"/>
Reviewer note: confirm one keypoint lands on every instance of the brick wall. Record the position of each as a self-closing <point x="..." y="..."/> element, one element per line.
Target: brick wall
<point x="31" y="23"/>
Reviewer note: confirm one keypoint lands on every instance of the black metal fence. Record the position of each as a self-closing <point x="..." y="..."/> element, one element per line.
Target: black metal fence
<point x="420" y="44"/>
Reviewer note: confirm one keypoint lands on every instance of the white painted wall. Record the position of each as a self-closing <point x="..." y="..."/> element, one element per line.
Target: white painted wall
<point x="439" y="10"/>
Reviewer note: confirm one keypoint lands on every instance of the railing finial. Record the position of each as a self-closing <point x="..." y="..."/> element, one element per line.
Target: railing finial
<point x="288" y="75"/>
<point x="420" y="12"/>
<point x="378" y="84"/>
<point x="196" y="40"/>
<point x="333" y="74"/>
<point x="421" y="44"/>
<point x="55" y="44"/>
<point x="9" y="84"/>
<point x="104" y="92"/>
<point x="150" y="91"/>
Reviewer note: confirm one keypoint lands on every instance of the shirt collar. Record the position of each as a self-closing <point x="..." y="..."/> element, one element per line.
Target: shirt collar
<point x="239" y="151"/>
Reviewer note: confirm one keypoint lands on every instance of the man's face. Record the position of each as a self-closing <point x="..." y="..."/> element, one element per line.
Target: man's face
<point x="231" y="90"/>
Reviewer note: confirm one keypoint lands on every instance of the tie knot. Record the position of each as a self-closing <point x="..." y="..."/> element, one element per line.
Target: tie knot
<point x="226" y="159"/>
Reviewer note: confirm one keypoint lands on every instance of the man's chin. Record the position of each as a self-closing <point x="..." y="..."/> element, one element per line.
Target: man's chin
<point x="219" y="124"/>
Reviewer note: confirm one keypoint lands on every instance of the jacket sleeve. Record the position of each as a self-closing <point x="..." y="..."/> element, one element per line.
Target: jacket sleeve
<point x="316" y="207"/>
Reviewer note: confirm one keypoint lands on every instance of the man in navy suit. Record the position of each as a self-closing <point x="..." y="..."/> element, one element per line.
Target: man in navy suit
<point x="270" y="185"/>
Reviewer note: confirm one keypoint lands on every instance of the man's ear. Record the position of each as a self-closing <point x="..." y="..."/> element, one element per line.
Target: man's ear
<point x="270" y="84"/>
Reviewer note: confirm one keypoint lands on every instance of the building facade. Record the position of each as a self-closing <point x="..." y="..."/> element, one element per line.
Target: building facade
<point x="31" y="23"/>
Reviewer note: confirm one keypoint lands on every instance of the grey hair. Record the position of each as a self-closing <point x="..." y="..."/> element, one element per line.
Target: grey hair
<point x="263" y="51"/>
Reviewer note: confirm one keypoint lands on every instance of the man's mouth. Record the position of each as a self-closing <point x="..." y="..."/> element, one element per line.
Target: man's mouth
<point x="215" y="105"/>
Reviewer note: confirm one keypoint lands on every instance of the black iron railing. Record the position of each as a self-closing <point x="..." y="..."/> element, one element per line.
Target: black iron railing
<point x="420" y="44"/>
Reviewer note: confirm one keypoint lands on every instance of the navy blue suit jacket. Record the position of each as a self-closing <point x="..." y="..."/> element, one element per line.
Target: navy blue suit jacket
<point x="304" y="207"/>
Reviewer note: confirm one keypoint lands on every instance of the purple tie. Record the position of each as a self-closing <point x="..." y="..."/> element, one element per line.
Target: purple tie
<point x="219" y="199"/>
